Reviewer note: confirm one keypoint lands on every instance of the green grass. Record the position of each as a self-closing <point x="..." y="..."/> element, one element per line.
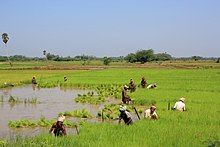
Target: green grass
<point x="198" y="126"/>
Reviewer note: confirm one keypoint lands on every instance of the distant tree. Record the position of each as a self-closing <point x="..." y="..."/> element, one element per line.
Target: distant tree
<point x="145" y="55"/>
<point x="131" y="58"/>
<point x="218" y="60"/>
<point x="106" y="60"/>
<point x="196" y="58"/>
<point x="162" y="57"/>
<point x="51" y="56"/>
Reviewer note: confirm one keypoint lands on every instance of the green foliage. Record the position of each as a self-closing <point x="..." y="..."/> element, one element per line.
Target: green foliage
<point x="111" y="111"/>
<point x="31" y="101"/>
<point x="196" y="58"/>
<point x="83" y="113"/>
<point x="13" y="100"/>
<point x="144" y="55"/>
<point x="198" y="126"/>
<point x="162" y="57"/>
<point x="89" y="98"/>
<point x="106" y="60"/>
<point x="131" y="58"/>
<point x="22" y="123"/>
<point x="42" y="122"/>
<point x="143" y="102"/>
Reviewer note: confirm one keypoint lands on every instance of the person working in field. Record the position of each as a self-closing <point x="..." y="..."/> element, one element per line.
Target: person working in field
<point x="125" y="98"/>
<point x="180" y="105"/>
<point x="151" y="113"/>
<point x="125" y="115"/>
<point x="34" y="81"/>
<point x="58" y="128"/>
<point x="143" y="82"/>
<point x="65" y="78"/>
<point x="132" y="86"/>
<point x="152" y="86"/>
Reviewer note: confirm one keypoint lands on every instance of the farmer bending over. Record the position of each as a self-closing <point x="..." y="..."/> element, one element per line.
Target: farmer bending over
<point x="132" y="86"/>
<point x="151" y="113"/>
<point x="65" y="78"/>
<point x="180" y="105"/>
<point x="152" y="86"/>
<point x="125" y="98"/>
<point x="58" y="127"/>
<point x="143" y="82"/>
<point x="125" y="115"/>
<point x="34" y="81"/>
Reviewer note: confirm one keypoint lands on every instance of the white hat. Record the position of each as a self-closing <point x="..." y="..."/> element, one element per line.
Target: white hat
<point x="125" y="86"/>
<point x="61" y="118"/>
<point x="153" y="107"/>
<point x="182" y="99"/>
<point x="122" y="108"/>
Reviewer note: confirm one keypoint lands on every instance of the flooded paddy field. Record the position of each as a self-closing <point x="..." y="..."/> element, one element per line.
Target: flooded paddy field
<point x="50" y="102"/>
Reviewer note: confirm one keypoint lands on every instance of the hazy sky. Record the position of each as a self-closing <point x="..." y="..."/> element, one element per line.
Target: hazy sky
<point x="111" y="27"/>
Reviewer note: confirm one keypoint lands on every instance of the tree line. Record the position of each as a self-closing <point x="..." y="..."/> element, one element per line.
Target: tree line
<point x="141" y="56"/>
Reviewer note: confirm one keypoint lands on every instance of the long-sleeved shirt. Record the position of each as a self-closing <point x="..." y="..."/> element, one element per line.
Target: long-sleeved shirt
<point x="179" y="106"/>
<point x="58" y="129"/>
<point x="147" y="114"/>
<point x="126" y="116"/>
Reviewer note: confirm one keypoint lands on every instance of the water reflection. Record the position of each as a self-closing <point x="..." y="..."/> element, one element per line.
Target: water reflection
<point x="50" y="102"/>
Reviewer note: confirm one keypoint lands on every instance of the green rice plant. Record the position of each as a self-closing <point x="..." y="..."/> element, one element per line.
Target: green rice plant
<point x="111" y="111"/>
<point x="2" y="99"/>
<point x="143" y="102"/>
<point x="42" y="122"/>
<point x="13" y="100"/>
<point x="89" y="98"/>
<point x="82" y="113"/>
<point x="3" y="142"/>
<point x="198" y="126"/>
<point x="31" y="101"/>
<point x="22" y="123"/>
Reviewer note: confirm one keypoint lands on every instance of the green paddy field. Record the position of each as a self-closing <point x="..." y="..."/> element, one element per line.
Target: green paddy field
<point x="198" y="126"/>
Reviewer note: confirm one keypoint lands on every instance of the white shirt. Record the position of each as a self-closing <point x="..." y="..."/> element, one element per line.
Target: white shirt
<point x="179" y="106"/>
<point x="148" y="115"/>
<point x="151" y="86"/>
<point x="128" y="114"/>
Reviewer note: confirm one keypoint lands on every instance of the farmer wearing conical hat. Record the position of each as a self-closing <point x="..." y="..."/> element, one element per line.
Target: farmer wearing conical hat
<point x="58" y="127"/>
<point x="180" y="105"/>
<point x="125" y="115"/>
<point x="151" y="113"/>
<point x="125" y="98"/>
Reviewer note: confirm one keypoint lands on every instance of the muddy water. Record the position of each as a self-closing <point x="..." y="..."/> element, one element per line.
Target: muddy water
<point x="52" y="101"/>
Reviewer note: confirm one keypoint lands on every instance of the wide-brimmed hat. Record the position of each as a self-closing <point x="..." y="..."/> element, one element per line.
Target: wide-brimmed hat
<point x="61" y="118"/>
<point x="122" y="108"/>
<point x="125" y="86"/>
<point x="153" y="107"/>
<point x="182" y="99"/>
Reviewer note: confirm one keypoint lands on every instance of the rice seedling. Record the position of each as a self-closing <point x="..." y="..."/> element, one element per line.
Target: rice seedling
<point x="13" y="100"/>
<point x="198" y="126"/>
<point x="89" y="98"/>
<point x="81" y="113"/>
<point x="42" y="122"/>
<point x="111" y="111"/>
<point x="31" y="101"/>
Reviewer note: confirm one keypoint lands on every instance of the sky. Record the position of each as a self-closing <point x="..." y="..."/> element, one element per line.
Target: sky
<point x="182" y="28"/>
